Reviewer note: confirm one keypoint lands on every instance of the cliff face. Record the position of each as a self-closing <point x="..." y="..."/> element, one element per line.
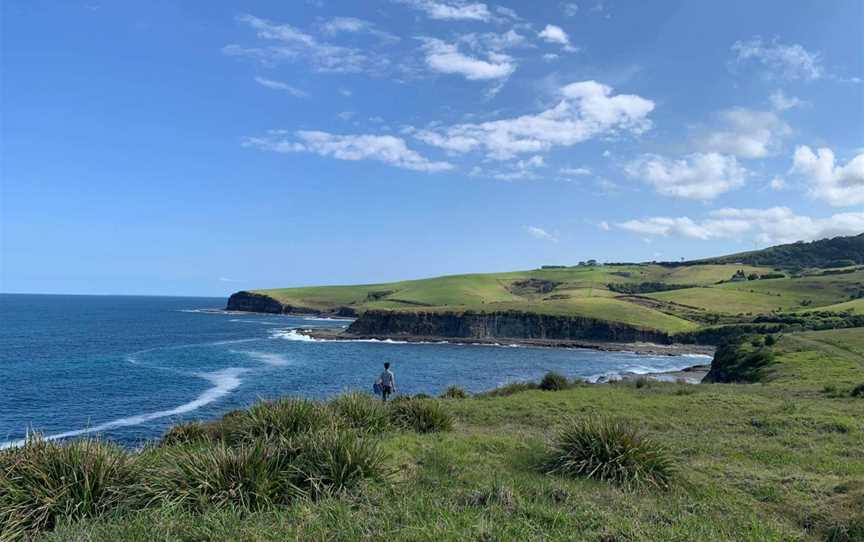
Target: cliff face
<point x="254" y="302"/>
<point x="517" y="325"/>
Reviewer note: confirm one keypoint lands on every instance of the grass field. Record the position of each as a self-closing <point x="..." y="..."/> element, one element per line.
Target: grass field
<point x="777" y="461"/>
<point x="586" y="291"/>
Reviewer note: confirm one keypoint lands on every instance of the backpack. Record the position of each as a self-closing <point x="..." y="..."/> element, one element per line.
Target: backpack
<point x="377" y="389"/>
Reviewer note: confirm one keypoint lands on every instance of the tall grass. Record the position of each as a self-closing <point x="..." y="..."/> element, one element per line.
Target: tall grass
<point x="421" y="415"/>
<point x="332" y="462"/>
<point x="609" y="450"/>
<point x="553" y="381"/>
<point x="252" y="476"/>
<point x="45" y="482"/>
<point x="361" y="411"/>
<point x="454" y="392"/>
<point x="274" y="420"/>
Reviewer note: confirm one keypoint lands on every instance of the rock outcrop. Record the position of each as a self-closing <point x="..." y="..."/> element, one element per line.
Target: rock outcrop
<point x="509" y="324"/>
<point x="255" y="302"/>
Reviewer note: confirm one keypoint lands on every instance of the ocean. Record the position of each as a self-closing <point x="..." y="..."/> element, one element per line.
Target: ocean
<point x="128" y="367"/>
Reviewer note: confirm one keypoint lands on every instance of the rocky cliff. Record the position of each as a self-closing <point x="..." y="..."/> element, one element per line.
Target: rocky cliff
<point x="510" y="324"/>
<point x="255" y="302"/>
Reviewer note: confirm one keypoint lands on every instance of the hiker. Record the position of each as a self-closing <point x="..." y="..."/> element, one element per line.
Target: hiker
<point x="387" y="381"/>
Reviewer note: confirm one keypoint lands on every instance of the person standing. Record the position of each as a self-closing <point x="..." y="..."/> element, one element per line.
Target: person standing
<point x="388" y="382"/>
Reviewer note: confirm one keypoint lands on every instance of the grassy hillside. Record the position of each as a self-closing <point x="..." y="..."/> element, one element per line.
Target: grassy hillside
<point x="665" y="298"/>
<point x="836" y="252"/>
<point x="777" y="461"/>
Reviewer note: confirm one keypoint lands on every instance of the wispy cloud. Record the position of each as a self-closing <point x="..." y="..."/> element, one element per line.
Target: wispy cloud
<point x="283" y="42"/>
<point x="791" y="61"/>
<point x="586" y="110"/>
<point x="540" y="233"/>
<point x="383" y="148"/>
<point x="767" y="226"/>
<point x="453" y="10"/>
<point x="352" y="25"/>
<point x="278" y="85"/>
<point x="445" y="57"/>
<point x="556" y="34"/>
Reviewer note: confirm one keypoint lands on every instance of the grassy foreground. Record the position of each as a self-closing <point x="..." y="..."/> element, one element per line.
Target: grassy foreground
<point x="778" y="460"/>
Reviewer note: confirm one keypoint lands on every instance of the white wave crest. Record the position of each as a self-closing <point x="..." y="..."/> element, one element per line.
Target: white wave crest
<point x="224" y="382"/>
<point x="270" y="358"/>
<point x="292" y="335"/>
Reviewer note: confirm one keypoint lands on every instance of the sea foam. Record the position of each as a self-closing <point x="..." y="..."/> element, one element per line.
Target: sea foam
<point x="224" y="382"/>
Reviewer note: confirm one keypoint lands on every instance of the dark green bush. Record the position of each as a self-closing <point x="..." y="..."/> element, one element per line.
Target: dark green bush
<point x="609" y="450"/>
<point x="361" y="411"/>
<point x="857" y="391"/>
<point x="421" y="415"/>
<point x="43" y="483"/>
<point x="454" y="392"/>
<point x="642" y="382"/>
<point x="553" y="381"/>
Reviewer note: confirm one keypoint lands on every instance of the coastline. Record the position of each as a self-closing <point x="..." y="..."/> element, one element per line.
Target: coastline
<point x="676" y="349"/>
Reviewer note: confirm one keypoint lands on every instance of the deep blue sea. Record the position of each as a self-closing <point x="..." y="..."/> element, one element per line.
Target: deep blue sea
<point x="128" y="367"/>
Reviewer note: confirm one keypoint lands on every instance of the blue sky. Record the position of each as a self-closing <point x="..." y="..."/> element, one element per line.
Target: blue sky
<point x="198" y="148"/>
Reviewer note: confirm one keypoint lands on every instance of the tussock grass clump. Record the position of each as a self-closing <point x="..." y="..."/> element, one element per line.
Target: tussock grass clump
<point x="43" y="483"/>
<point x="610" y="450"/>
<point x="252" y="476"/>
<point x="857" y="391"/>
<point x="421" y="415"/>
<point x="332" y="462"/>
<point x="188" y="432"/>
<point x="642" y="382"/>
<point x="454" y="392"/>
<point x="553" y="381"/>
<point x="279" y="419"/>
<point x="510" y="389"/>
<point x="361" y="411"/>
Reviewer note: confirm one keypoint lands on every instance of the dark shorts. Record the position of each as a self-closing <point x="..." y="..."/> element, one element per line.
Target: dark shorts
<point x="386" y="390"/>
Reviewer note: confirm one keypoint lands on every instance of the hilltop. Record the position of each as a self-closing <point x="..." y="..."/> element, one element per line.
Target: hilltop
<point x="680" y="302"/>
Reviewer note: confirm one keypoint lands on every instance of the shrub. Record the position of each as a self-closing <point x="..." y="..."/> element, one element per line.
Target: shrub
<point x="553" y="381"/>
<point x="45" y="482"/>
<point x="608" y="450"/>
<point x="770" y="340"/>
<point x="857" y="391"/>
<point x="361" y="411"/>
<point x="249" y="475"/>
<point x="282" y="418"/>
<point x="454" y="392"/>
<point x="510" y="389"/>
<point x="335" y="461"/>
<point x="642" y="382"/>
<point x="421" y="415"/>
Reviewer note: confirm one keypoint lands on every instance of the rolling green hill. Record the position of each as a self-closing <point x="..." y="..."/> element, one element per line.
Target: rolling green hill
<point x="666" y="298"/>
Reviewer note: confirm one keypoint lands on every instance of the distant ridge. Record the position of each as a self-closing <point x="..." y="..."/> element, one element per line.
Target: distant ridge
<point x="826" y="253"/>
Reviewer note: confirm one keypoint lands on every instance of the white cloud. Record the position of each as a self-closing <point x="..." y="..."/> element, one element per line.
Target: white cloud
<point x="292" y="44"/>
<point x="278" y="85"/>
<point x="791" y="61"/>
<point x="575" y="171"/>
<point x="507" y="12"/>
<point x="338" y="25"/>
<point x="586" y="110"/>
<point x="494" y="41"/>
<point x="451" y="9"/>
<point x="781" y="102"/>
<point x="777" y="183"/>
<point x="226" y="279"/>
<point x="746" y="133"/>
<point x="444" y="57"/>
<point x="767" y="226"/>
<point x="603" y="225"/>
<point x="540" y="233"/>
<point x="520" y="170"/>
<point x="570" y="9"/>
<point x="385" y="148"/>
<point x="549" y="57"/>
<point x="556" y="34"/>
<point x="700" y="176"/>
<point x="838" y="185"/>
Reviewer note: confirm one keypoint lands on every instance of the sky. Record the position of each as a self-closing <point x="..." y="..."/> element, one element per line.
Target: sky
<point x="200" y="148"/>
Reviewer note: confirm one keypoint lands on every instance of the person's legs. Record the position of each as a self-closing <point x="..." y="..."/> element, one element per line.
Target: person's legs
<point x="385" y="393"/>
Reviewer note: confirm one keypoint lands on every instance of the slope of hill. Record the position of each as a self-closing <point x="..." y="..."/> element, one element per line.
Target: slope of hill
<point x="836" y="252"/>
<point x="637" y="298"/>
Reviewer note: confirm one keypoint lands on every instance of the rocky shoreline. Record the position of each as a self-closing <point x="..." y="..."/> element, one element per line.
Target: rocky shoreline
<point x="646" y="348"/>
